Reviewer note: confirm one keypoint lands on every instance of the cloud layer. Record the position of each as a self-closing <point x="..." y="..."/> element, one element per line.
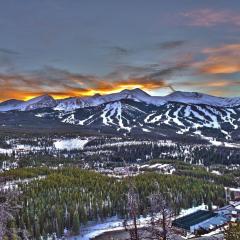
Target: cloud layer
<point x="211" y="17"/>
<point x="62" y="83"/>
<point x="221" y="60"/>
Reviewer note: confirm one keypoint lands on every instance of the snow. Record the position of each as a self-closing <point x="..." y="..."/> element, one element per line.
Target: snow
<point x="234" y="189"/>
<point x="82" y="122"/>
<point x="199" y="98"/>
<point x="146" y="130"/>
<point x="216" y="172"/>
<point x="188" y="211"/>
<point x="14" y="184"/>
<point x="40" y="115"/>
<point x="214" y="142"/>
<point x="111" y="224"/>
<point x="6" y="151"/>
<point x="111" y="110"/>
<point x="70" y="144"/>
<point x="69" y="104"/>
<point x="132" y="143"/>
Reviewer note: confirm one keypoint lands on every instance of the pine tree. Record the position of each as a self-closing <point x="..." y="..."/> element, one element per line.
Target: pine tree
<point x="76" y="223"/>
<point x="36" y="228"/>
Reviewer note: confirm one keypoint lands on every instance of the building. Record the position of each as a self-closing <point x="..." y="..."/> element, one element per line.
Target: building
<point x="232" y="211"/>
<point x="201" y="220"/>
<point x="204" y="221"/>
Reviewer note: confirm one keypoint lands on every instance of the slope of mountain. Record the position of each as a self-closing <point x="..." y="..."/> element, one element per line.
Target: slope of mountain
<point x="199" y="98"/>
<point x="130" y="116"/>
<point x="133" y="112"/>
<point x="10" y="105"/>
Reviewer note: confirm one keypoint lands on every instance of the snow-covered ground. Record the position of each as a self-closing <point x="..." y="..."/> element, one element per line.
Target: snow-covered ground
<point x="214" y="142"/>
<point x="94" y="230"/>
<point x="5" y="151"/>
<point x="9" y="185"/>
<point x="70" y="144"/>
<point x="112" y="224"/>
<point x="116" y="224"/>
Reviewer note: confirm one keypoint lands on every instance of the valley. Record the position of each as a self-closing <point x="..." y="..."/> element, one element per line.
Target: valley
<point x="74" y="160"/>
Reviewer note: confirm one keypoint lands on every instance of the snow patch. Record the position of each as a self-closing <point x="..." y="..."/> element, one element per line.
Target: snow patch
<point x="70" y="144"/>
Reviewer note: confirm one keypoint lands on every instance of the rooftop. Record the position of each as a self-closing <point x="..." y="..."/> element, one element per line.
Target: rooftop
<point x="192" y="219"/>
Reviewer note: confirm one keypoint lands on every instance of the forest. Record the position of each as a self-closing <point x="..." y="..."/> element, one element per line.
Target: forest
<point x="68" y="198"/>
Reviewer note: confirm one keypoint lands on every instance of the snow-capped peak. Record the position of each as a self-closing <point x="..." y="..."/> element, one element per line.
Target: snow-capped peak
<point x="201" y="98"/>
<point x="136" y="92"/>
<point x="34" y="103"/>
<point x="96" y="100"/>
<point x="9" y="105"/>
<point x="137" y="95"/>
<point x="38" y="102"/>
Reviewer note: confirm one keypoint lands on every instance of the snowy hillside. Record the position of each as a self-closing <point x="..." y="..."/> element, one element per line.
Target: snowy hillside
<point x="132" y="112"/>
<point x="184" y="118"/>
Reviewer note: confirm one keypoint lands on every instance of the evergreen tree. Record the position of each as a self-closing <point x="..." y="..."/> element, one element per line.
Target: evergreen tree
<point x="76" y="223"/>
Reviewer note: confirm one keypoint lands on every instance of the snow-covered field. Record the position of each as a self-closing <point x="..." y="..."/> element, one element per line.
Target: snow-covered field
<point x="120" y="143"/>
<point x="70" y="144"/>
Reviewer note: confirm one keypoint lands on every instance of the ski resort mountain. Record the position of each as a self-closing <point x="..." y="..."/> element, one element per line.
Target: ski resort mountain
<point x="169" y="119"/>
<point x="131" y="112"/>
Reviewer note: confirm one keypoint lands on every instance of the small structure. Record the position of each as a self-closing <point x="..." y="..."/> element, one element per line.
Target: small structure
<point x="232" y="211"/>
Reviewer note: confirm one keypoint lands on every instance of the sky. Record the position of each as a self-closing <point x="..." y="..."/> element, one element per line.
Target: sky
<point x="82" y="47"/>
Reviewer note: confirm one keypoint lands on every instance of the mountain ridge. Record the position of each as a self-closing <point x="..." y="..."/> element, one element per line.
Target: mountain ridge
<point x="138" y="95"/>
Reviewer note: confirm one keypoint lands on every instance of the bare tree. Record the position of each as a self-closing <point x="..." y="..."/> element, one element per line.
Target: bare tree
<point x="160" y="226"/>
<point x="133" y="208"/>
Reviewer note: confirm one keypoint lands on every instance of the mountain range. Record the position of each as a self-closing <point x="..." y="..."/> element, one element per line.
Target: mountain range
<point x="137" y="94"/>
<point x="131" y="112"/>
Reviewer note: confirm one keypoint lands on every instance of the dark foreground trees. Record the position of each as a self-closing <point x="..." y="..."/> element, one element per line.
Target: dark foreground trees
<point x="9" y="208"/>
<point x="233" y="232"/>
